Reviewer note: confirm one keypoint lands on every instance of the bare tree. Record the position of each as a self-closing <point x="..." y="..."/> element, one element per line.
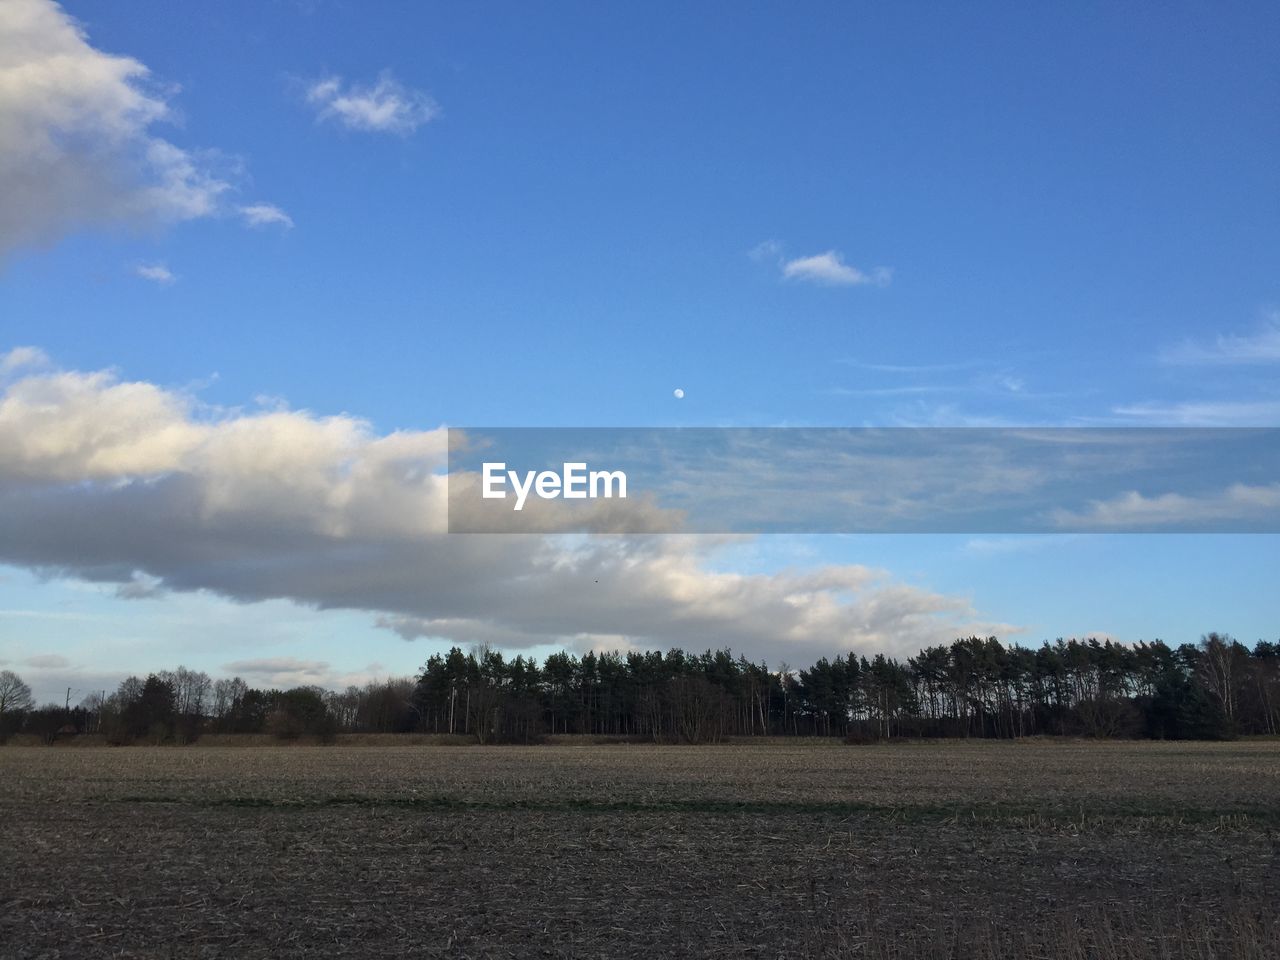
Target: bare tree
<point x="344" y="707"/>
<point x="92" y="706"/>
<point x="14" y="694"/>
<point x="1219" y="670"/>
<point x="190" y="689"/>
<point x="130" y="689"/>
<point x="226" y="696"/>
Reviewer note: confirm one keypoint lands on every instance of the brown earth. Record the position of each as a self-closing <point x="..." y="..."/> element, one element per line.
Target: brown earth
<point x="1035" y="849"/>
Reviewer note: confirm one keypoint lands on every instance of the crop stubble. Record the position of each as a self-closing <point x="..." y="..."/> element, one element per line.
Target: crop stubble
<point x="953" y="849"/>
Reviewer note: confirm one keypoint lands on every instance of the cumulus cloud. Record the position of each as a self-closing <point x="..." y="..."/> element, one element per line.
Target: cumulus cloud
<point x="825" y="269"/>
<point x="265" y="215"/>
<point x="78" y="145"/>
<point x="1263" y="346"/>
<point x="127" y="482"/>
<point x="385" y="106"/>
<point x="830" y="269"/>
<point x="156" y="273"/>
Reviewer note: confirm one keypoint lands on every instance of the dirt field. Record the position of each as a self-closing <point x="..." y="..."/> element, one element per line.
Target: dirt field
<point x="1031" y="849"/>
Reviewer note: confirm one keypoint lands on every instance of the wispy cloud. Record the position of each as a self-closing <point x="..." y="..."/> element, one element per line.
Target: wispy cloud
<point x="265" y="215"/>
<point x="294" y="672"/>
<point x="1263" y="346"/>
<point x="386" y="106"/>
<point x="49" y="615"/>
<point x="830" y="269"/>
<point x="1238" y="502"/>
<point x="826" y="269"/>
<point x="273" y="668"/>
<point x="1209" y="413"/>
<point x="766" y="250"/>
<point x="906" y="391"/>
<point x="951" y="415"/>
<point x="913" y="368"/>
<point x="47" y="661"/>
<point x="156" y="273"/>
<point x="20" y="358"/>
<point x="907" y="380"/>
<point x="1016" y="544"/>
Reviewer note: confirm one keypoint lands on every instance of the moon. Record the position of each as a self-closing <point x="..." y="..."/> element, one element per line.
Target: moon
<point x="678" y="393"/>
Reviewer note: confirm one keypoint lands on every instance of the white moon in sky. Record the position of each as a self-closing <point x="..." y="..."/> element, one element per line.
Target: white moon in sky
<point x="679" y="394"/>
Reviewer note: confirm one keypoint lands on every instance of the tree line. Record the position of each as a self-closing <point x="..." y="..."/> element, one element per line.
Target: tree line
<point x="973" y="687"/>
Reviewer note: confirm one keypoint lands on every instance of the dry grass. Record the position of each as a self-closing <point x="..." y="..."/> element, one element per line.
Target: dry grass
<point x="1056" y="850"/>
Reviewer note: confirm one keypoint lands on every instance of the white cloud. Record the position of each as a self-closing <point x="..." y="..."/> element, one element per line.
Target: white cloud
<point x="1260" y="347"/>
<point x="386" y="106"/>
<point x="77" y="140"/>
<point x="281" y="671"/>
<point x="1238" y="502"/>
<point x="20" y="358"/>
<point x="265" y="215"/>
<point x="62" y="426"/>
<point x="1211" y="413"/>
<point x="830" y="269"/>
<point x="156" y="273"/>
<point x="129" y="483"/>
<point x="922" y="414"/>
<point x="906" y="391"/>
<point x="285" y="672"/>
<point x="766" y="250"/>
<point x="914" y="369"/>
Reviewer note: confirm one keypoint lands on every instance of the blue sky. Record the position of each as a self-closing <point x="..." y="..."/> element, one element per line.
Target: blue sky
<point x="841" y="215"/>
